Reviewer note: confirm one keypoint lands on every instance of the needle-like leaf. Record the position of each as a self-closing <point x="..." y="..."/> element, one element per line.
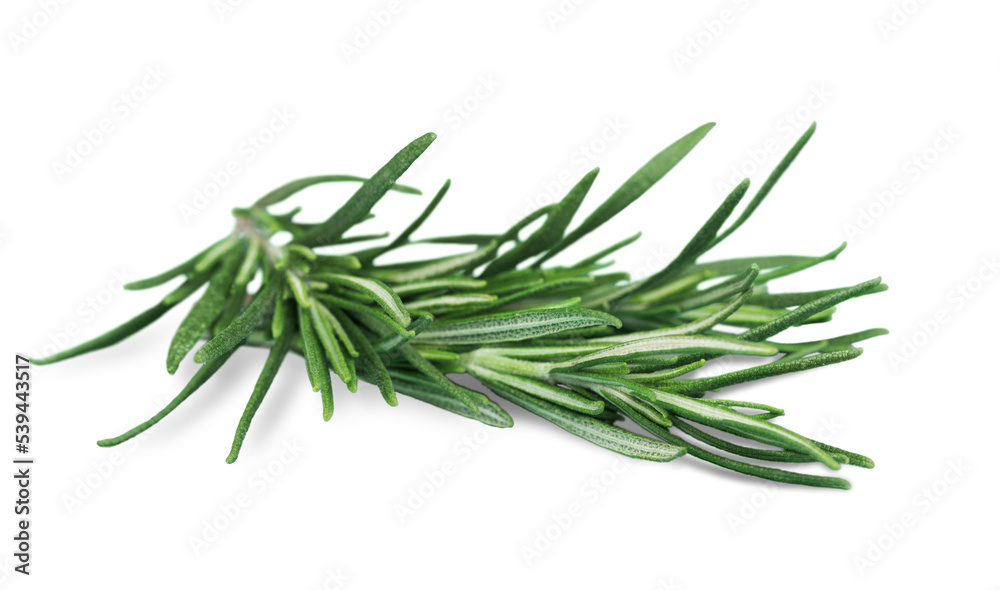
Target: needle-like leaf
<point x="403" y="238"/>
<point x="421" y="388"/>
<point x="634" y="187"/>
<point x="513" y="326"/>
<point x="765" y="188"/>
<point x="204" y="312"/>
<point x="316" y="364"/>
<point x="781" y="367"/>
<point x="556" y="222"/>
<point x="379" y="292"/>
<point x="557" y="395"/>
<point x="667" y="345"/>
<point x="236" y="332"/>
<point x="589" y="428"/>
<point x="370" y="361"/>
<point x="204" y="374"/>
<point x="373" y="189"/>
<point x="700" y="242"/>
<point x="286" y="190"/>
<point x="130" y="327"/>
<point x="271" y="366"/>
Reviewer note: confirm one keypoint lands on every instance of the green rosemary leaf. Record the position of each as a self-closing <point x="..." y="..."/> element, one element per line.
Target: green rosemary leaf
<point x="280" y="314"/>
<point x="852" y="458"/>
<point x="770" y="415"/>
<point x="582" y="272"/>
<point x="187" y="288"/>
<point x="765" y="188"/>
<point x="204" y="312"/>
<point x="654" y="378"/>
<point x="617" y="399"/>
<point x="183" y="268"/>
<point x="833" y="344"/>
<point x="404" y="238"/>
<point x="391" y="342"/>
<point x="574" y="335"/>
<point x="355" y="296"/>
<point x="799" y="315"/>
<point x="249" y="265"/>
<point x="338" y="329"/>
<point x="332" y="263"/>
<point x="557" y="395"/>
<point x="779" y="300"/>
<point x="359" y="238"/>
<point x="300" y="250"/>
<point x="700" y="242"/>
<point x="464" y="239"/>
<point x="451" y="302"/>
<point x="605" y="252"/>
<point x="667" y="345"/>
<point x="361" y="203"/>
<point x="352" y="371"/>
<point x="556" y="222"/>
<point x="298" y="289"/>
<point x="771" y="411"/>
<point x="367" y="311"/>
<point x="545" y="352"/>
<point x="669" y="289"/>
<point x="805" y="351"/>
<point x="328" y="339"/>
<point x="316" y="364"/>
<point x="548" y="286"/>
<point x="739" y="284"/>
<point x="618" y="368"/>
<point x="794" y="268"/>
<point x="215" y="253"/>
<point x="752" y="315"/>
<point x="778" y="475"/>
<point x="130" y="327"/>
<point x="633" y="188"/>
<point x="444" y="266"/>
<point x="233" y="334"/>
<point x="286" y="190"/>
<point x="732" y="266"/>
<point x="513" y="326"/>
<point x="514" y="231"/>
<point x="447" y="385"/>
<point x="385" y="297"/>
<point x="807" y="310"/>
<point x="731" y="464"/>
<point x="450" y="284"/>
<point x="565" y="303"/>
<point x="718" y="316"/>
<point x="111" y="337"/>
<point x="204" y="374"/>
<point x="447" y="367"/>
<point x="437" y="355"/>
<point x="514" y="281"/>
<point x="590" y="429"/>
<point x="780" y="367"/>
<point x="740" y="424"/>
<point x="774" y="455"/>
<point x="370" y="361"/>
<point x="234" y="305"/>
<point x="427" y="391"/>
<point x="278" y="351"/>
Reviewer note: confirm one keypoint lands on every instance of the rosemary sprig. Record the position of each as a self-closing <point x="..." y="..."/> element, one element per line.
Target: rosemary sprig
<point x="578" y="345"/>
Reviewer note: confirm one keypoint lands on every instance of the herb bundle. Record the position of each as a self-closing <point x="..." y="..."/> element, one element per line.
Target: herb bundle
<point x="576" y="344"/>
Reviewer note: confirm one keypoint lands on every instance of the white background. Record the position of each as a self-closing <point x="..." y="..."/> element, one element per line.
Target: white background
<point x="626" y="78"/>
